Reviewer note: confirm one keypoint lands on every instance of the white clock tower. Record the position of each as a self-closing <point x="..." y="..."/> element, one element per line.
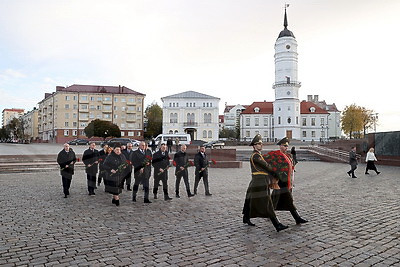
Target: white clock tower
<point x="286" y="86"/>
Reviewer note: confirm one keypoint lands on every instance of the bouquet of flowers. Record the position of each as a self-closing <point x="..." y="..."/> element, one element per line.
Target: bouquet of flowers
<point x="147" y="161"/>
<point x="72" y="163"/>
<point x="279" y="165"/>
<point x="212" y="161"/>
<point x="187" y="165"/>
<point x="122" y="167"/>
<point x="166" y="167"/>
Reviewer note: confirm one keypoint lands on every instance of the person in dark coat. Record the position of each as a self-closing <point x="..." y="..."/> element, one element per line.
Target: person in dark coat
<point x="66" y="158"/>
<point x="128" y="177"/>
<point x="294" y="156"/>
<point x="169" y="145"/>
<point x="91" y="159"/>
<point x="353" y="162"/>
<point x="160" y="163"/>
<point x="201" y="163"/>
<point x="258" y="202"/>
<point x="140" y="161"/>
<point x="102" y="157"/>
<point x="147" y="168"/>
<point x="282" y="197"/>
<point x="181" y="160"/>
<point x="153" y="145"/>
<point x="115" y="166"/>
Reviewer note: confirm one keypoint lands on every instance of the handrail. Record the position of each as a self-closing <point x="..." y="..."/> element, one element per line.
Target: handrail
<point x="333" y="153"/>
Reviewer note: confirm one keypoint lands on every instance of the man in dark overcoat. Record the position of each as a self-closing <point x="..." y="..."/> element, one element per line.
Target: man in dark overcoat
<point x="66" y="158"/>
<point x="181" y="160"/>
<point x="139" y="162"/>
<point x="90" y="158"/>
<point x="258" y="202"/>
<point x="128" y="152"/>
<point x="353" y="162"/>
<point x="161" y="164"/>
<point x="201" y="171"/>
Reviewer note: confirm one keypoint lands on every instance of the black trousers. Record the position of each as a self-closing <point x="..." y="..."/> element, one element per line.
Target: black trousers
<point x="66" y="182"/>
<point x="128" y="179"/>
<point x="163" y="177"/>
<point x="198" y="176"/>
<point x="102" y="175"/>
<point x="91" y="182"/>
<point x="140" y="178"/>
<point x="353" y="168"/>
<point x="182" y="174"/>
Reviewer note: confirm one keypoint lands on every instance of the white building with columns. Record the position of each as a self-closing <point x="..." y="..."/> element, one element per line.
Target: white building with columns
<point x="193" y="113"/>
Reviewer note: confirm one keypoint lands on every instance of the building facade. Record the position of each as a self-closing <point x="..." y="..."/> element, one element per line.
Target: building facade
<point x="10" y="113"/>
<point x="64" y="114"/>
<point x="30" y="125"/>
<point x="193" y="113"/>
<point x="232" y="114"/>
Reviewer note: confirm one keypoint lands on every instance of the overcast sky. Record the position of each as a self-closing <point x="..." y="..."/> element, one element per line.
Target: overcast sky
<point x="348" y="49"/>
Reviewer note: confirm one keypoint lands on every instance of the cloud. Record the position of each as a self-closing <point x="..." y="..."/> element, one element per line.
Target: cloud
<point x="11" y="74"/>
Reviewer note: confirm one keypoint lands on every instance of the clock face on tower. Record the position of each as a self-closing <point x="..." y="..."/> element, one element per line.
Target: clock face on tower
<point x="287" y="46"/>
<point x="288" y="92"/>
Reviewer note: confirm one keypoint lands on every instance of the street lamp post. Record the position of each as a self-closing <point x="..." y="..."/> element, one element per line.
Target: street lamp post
<point x="375" y="116"/>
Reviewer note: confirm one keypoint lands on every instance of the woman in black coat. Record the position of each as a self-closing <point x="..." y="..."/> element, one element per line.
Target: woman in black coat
<point x="66" y="159"/>
<point x="115" y="166"/>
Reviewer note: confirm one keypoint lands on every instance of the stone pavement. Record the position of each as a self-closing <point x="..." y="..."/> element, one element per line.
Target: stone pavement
<point x="352" y="222"/>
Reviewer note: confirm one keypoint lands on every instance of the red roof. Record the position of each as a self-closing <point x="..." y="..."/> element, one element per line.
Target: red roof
<point x="265" y="108"/>
<point x="221" y="118"/>
<point x="14" y="109"/>
<point x="97" y="89"/>
<point x="305" y="107"/>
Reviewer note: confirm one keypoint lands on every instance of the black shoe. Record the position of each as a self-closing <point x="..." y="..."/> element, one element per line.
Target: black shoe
<point x="117" y="202"/>
<point x="128" y="188"/>
<point x="349" y="174"/>
<point x="113" y="201"/>
<point x="177" y="196"/>
<point x="190" y="195"/>
<point x="98" y="184"/>
<point x="167" y="198"/>
<point x="297" y="217"/>
<point x="133" y="199"/>
<point x="247" y="221"/>
<point x="65" y="196"/>
<point x="146" y="200"/>
<point x="91" y="194"/>
<point x="354" y="176"/>
<point x="208" y="194"/>
<point x="279" y="227"/>
<point x="366" y="173"/>
<point x="301" y="220"/>
<point x="377" y="173"/>
<point x="155" y="196"/>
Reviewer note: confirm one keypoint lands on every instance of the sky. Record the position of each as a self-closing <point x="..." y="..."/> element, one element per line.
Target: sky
<point x="348" y="49"/>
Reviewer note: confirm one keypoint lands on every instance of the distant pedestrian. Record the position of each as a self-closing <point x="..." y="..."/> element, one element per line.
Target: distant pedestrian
<point x="169" y="145"/>
<point x="91" y="159"/>
<point x="115" y="166"/>
<point x="370" y="160"/>
<point x="294" y="156"/>
<point x="177" y="144"/>
<point x="353" y="162"/>
<point x="153" y="145"/>
<point x="66" y="159"/>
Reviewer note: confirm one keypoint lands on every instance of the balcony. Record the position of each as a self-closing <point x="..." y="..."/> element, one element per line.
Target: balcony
<point x="83" y="118"/>
<point x="190" y="124"/>
<point x="107" y="102"/>
<point x="83" y="110"/>
<point x="107" y="111"/>
<point x="283" y="83"/>
<point x="130" y="111"/>
<point x="130" y="119"/>
<point x="131" y="103"/>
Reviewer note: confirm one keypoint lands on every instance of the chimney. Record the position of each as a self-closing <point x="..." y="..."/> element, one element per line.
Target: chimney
<point x="59" y="88"/>
<point x="315" y="98"/>
<point x="309" y="98"/>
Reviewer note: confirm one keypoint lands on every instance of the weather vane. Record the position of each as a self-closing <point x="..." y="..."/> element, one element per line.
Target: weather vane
<point x="286" y="5"/>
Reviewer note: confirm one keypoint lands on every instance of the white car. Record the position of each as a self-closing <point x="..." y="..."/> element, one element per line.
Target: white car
<point x="214" y="144"/>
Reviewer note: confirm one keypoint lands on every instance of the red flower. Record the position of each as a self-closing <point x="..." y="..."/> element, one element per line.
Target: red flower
<point x="78" y="159"/>
<point x="274" y="169"/>
<point x="174" y="163"/>
<point x="214" y="161"/>
<point x="128" y="162"/>
<point x="149" y="158"/>
<point x="191" y="163"/>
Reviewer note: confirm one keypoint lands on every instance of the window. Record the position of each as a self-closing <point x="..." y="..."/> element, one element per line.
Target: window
<point x="74" y="133"/>
<point x="139" y="109"/>
<point x="207" y="117"/>
<point x="297" y="120"/>
<point x="247" y="121"/>
<point x="289" y="120"/>
<point x="99" y="98"/>
<point x="92" y="107"/>
<point x="75" y="97"/>
<point x="288" y="108"/>
<point x="265" y="133"/>
<point x="107" y="107"/>
<point x="171" y="132"/>
<point x="265" y="121"/>
<point x="304" y="121"/>
<point x="115" y="99"/>
<point x="173" y="118"/>
<point x="92" y="98"/>
<point x="66" y="124"/>
<point x="257" y="121"/>
<point x="66" y="106"/>
<point x="98" y="107"/>
<point x="257" y="132"/>
<point x="131" y="100"/>
<point x="204" y="134"/>
<point x="312" y="133"/>
<point x="279" y="120"/>
<point x="67" y="115"/>
<point x="107" y="116"/>
<point x="115" y="116"/>
<point x="322" y="121"/>
<point x="75" y="107"/>
<point x="84" y="106"/>
<point x="123" y="100"/>
<point x="313" y="121"/>
<point x="304" y="134"/>
<point x="98" y="116"/>
<point x="74" y="115"/>
<point x="190" y="117"/>
<point x="210" y="134"/>
<point x="84" y="98"/>
<point x="83" y="124"/>
<point x="66" y="132"/>
<point x="115" y="108"/>
<point x="107" y="98"/>
<point x="131" y="133"/>
<point x="170" y="104"/>
<point x="247" y="133"/>
<point x="323" y="134"/>
<point x="67" y="97"/>
<point x="176" y="131"/>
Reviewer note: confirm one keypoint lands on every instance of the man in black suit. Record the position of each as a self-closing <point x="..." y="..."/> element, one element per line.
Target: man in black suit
<point x="139" y="162"/>
<point x="181" y="160"/>
<point x="201" y="163"/>
<point x="66" y="159"/>
<point x="128" y="152"/>
<point x="91" y="159"/>
<point x="161" y="165"/>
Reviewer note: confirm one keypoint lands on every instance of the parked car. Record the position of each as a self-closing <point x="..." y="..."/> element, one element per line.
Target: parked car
<point x="214" y="144"/>
<point x="122" y="141"/>
<point x="79" y="142"/>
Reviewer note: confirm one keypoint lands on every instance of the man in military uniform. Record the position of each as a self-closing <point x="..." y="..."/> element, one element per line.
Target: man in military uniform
<point x="91" y="159"/>
<point x="282" y="197"/>
<point x="258" y="201"/>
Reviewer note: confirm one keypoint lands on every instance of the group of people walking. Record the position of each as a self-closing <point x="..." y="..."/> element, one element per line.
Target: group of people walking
<point x="369" y="159"/>
<point x="115" y="166"/>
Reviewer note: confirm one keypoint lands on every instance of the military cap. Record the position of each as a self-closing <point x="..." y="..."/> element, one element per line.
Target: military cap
<point x="256" y="140"/>
<point x="284" y="141"/>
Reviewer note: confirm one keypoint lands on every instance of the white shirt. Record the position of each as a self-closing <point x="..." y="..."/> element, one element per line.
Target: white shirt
<point x="370" y="156"/>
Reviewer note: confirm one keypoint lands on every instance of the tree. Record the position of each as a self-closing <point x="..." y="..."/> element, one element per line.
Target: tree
<point x="356" y="119"/>
<point x="227" y="133"/>
<point x="14" y="127"/>
<point x="154" y="115"/>
<point x="102" y="129"/>
<point x="4" y="133"/>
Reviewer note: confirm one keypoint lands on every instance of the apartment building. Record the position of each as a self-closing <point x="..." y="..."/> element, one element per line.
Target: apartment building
<point x="64" y="114"/>
<point x="30" y="125"/>
<point x="10" y="113"/>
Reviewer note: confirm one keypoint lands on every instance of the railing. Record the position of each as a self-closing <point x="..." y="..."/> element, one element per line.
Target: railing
<point x="333" y="153"/>
<point x="283" y="83"/>
<point x="192" y="124"/>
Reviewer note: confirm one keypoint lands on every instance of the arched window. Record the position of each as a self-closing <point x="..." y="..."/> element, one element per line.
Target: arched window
<point x="171" y="132"/>
<point x="210" y="134"/>
<point x="176" y="131"/>
<point x="207" y="117"/>
<point x="204" y="134"/>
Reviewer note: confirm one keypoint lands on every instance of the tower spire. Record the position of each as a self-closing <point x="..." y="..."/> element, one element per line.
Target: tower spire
<point x="285" y="24"/>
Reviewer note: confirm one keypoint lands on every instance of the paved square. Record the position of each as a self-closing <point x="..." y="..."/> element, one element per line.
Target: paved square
<point x="352" y="222"/>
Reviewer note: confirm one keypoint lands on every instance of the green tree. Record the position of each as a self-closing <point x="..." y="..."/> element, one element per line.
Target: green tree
<point x="15" y="128"/>
<point x="368" y="118"/>
<point x="100" y="128"/>
<point x="227" y="133"/>
<point x="4" y="133"/>
<point x="153" y="114"/>
<point x="356" y="119"/>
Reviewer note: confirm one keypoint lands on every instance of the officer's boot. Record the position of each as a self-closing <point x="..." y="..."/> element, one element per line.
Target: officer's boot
<point x="278" y="225"/>
<point x="297" y="217"/>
